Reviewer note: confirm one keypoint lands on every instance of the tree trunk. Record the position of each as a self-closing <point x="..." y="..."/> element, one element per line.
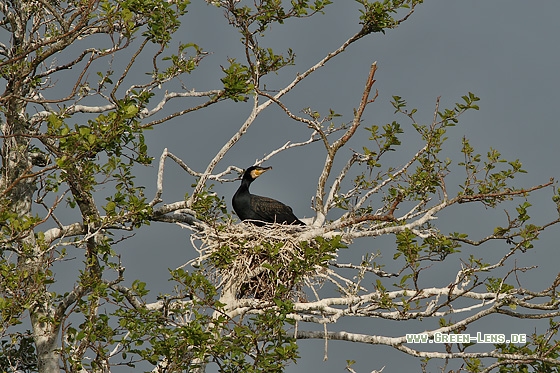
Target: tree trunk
<point x="17" y="186"/>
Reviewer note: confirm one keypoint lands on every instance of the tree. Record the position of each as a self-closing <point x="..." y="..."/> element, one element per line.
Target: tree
<point x="250" y="292"/>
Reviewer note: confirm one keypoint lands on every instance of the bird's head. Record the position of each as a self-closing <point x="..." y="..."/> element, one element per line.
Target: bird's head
<point x="255" y="171"/>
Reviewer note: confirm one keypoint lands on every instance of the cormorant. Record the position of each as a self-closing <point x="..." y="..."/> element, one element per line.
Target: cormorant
<point x="260" y="209"/>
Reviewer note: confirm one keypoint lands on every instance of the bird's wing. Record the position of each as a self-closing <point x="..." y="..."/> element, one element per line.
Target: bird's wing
<point x="270" y="210"/>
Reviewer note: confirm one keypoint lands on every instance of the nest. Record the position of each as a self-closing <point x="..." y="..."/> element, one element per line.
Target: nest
<point x="266" y="262"/>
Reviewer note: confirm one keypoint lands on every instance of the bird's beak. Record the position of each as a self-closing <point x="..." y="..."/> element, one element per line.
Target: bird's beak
<point x="259" y="171"/>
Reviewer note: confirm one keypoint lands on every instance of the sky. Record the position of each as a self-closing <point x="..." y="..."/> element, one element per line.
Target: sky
<point x="505" y="52"/>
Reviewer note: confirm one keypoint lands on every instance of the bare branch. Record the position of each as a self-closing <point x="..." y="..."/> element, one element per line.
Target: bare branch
<point x="321" y="207"/>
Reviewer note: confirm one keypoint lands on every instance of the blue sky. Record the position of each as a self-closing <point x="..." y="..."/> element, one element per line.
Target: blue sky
<point x="505" y="52"/>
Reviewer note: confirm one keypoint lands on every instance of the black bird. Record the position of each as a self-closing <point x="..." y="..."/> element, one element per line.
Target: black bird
<point x="260" y="209"/>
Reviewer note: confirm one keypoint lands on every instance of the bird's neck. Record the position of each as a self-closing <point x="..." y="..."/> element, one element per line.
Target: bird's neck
<point x="244" y="187"/>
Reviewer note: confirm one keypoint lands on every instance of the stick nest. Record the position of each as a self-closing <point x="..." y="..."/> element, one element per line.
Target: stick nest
<point x="266" y="262"/>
